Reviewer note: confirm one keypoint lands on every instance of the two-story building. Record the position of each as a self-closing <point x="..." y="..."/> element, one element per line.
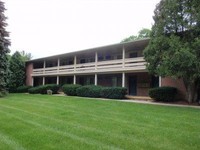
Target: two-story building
<point x="120" y="64"/>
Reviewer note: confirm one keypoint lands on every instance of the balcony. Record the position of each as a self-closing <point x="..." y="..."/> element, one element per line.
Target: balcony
<point x="128" y="64"/>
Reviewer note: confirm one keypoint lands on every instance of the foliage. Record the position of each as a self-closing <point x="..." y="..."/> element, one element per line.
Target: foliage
<point x="23" y="89"/>
<point x="3" y="93"/>
<point x="43" y="89"/>
<point x="17" y="72"/>
<point x="142" y="34"/>
<point x="89" y="91"/>
<point x="166" y="94"/>
<point x="4" y="43"/>
<point x="26" y="56"/>
<point x="34" y="90"/>
<point x="174" y="47"/>
<point x="70" y="89"/>
<point x="114" y="92"/>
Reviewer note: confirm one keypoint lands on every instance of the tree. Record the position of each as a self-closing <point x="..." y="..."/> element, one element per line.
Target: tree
<point x="4" y="43"/>
<point x="26" y="56"/>
<point x="16" y="71"/>
<point x="174" y="47"/>
<point x="142" y="34"/>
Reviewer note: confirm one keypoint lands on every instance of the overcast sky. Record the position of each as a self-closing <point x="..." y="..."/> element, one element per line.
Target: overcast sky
<point x="49" y="27"/>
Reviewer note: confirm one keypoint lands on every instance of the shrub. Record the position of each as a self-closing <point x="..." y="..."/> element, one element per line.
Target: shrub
<point x="34" y="90"/>
<point x="89" y="91"/>
<point x="70" y="89"/>
<point x="23" y="89"/>
<point x="113" y="92"/>
<point x="43" y="89"/>
<point x="166" y="94"/>
<point x="3" y="93"/>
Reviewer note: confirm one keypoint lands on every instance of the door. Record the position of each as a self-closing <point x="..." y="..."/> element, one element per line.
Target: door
<point x="132" y="85"/>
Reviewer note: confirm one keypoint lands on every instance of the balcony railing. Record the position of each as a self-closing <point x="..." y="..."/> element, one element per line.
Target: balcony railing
<point x="129" y="64"/>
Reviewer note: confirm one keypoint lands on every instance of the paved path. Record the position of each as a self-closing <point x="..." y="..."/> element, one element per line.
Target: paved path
<point x="139" y="102"/>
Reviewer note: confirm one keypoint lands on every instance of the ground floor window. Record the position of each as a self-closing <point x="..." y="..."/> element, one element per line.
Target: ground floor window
<point x="110" y="80"/>
<point x="37" y="81"/>
<point x="65" y="80"/>
<point x="50" y="80"/>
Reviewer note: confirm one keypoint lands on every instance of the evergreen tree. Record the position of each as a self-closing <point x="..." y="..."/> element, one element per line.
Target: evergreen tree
<point x="174" y="47"/>
<point x="4" y="43"/>
<point x="16" y="71"/>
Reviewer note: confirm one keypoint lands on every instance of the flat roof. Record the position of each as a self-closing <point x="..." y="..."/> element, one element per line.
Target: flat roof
<point x="141" y="41"/>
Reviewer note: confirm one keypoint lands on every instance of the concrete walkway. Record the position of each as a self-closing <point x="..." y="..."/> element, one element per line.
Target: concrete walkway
<point x="138" y="101"/>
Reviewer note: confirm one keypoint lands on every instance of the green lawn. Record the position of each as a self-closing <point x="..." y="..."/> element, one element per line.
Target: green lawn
<point x="51" y="122"/>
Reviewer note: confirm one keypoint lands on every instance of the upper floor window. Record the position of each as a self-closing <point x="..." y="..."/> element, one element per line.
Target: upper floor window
<point x="133" y="55"/>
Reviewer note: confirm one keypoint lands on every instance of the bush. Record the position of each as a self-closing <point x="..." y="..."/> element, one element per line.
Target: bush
<point x="3" y="93"/>
<point x="70" y="89"/>
<point x="43" y="89"/>
<point x="165" y="94"/>
<point x="89" y="91"/>
<point x="23" y="89"/>
<point x="113" y="92"/>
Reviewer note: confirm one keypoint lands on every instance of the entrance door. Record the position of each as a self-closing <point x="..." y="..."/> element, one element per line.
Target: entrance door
<point x="133" y="85"/>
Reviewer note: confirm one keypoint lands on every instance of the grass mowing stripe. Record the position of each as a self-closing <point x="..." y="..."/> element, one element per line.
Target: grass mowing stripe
<point x="137" y="112"/>
<point x="63" y="133"/>
<point x="183" y="137"/>
<point x="75" y="125"/>
<point x="128" y="123"/>
<point x="137" y="141"/>
<point x="10" y="142"/>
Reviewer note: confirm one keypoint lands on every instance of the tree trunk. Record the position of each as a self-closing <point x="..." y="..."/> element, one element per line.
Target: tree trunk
<point x="191" y="92"/>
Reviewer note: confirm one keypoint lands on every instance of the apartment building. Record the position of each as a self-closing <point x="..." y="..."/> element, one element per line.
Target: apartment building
<point x="120" y="64"/>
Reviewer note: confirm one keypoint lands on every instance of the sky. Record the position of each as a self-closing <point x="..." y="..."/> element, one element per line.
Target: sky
<point x="49" y="27"/>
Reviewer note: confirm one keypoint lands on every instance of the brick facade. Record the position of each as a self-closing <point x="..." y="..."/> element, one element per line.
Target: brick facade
<point x="178" y="83"/>
<point x="29" y="71"/>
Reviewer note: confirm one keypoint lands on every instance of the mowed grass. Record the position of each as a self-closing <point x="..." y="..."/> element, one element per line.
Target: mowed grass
<point x="51" y="122"/>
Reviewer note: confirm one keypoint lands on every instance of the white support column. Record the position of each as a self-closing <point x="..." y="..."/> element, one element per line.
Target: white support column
<point x="57" y="80"/>
<point x="32" y="81"/>
<point x="74" y="79"/>
<point x="160" y="81"/>
<point x="123" y="57"/>
<point x="95" y="79"/>
<point x="44" y="66"/>
<point x="96" y="60"/>
<point x="43" y="80"/>
<point x="75" y="63"/>
<point x="58" y="66"/>
<point x="123" y="79"/>
<point x="58" y="62"/>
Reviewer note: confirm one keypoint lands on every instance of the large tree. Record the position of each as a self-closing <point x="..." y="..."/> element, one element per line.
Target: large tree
<point x="4" y="43"/>
<point x="174" y="47"/>
<point x="16" y="71"/>
<point x="142" y="34"/>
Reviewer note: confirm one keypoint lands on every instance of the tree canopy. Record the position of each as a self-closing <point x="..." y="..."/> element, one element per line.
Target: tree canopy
<point x="144" y="33"/>
<point x="16" y="71"/>
<point x="4" y="43"/>
<point x="174" y="47"/>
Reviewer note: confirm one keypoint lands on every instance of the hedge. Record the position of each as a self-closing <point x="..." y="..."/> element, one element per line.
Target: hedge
<point x="70" y="89"/>
<point x="43" y="89"/>
<point x="89" y="91"/>
<point x="165" y="94"/>
<point x="114" y="92"/>
<point x="23" y="89"/>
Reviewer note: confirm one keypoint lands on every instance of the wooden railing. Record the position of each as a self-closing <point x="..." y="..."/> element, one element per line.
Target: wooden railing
<point x="104" y="66"/>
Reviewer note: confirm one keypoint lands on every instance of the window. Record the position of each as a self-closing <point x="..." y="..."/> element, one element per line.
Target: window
<point x="133" y="55"/>
<point x="100" y="58"/>
<point x="108" y="57"/>
<point x="82" y="61"/>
